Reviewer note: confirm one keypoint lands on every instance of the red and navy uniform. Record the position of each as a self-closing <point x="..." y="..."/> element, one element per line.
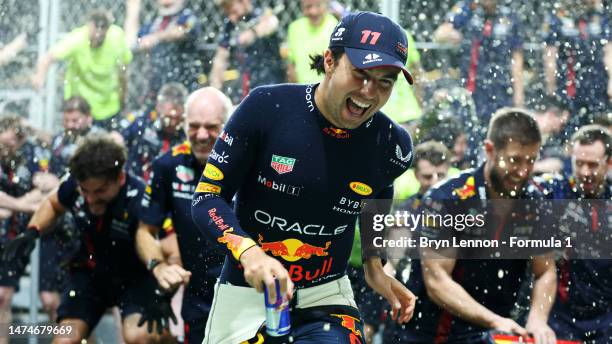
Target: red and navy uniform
<point x="583" y="306"/>
<point x="16" y="180"/>
<point x="106" y="270"/>
<point x="298" y="183"/>
<point x="486" y="54"/>
<point x="175" y="61"/>
<point x="581" y="72"/>
<point x="491" y="282"/>
<point x="260" y="63"/>
<point x="174" y="178"/>
<point x="146" y="140"/>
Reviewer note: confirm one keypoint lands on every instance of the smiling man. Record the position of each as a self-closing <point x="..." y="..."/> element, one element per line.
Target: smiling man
<point x="300" y="159"/>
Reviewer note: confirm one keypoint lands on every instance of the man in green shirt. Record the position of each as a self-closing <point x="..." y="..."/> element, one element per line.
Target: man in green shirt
<point x="97" y="55"/>
<point x="308" y="35"/>
<point x="403" y="105"/>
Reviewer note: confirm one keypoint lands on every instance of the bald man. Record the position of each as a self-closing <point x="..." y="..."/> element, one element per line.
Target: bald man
<point x="174" y="179"/>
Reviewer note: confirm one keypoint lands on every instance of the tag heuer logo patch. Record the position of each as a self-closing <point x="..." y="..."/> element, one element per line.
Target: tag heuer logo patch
<point x="282" y="164"/>
<point x="184" y="174"/>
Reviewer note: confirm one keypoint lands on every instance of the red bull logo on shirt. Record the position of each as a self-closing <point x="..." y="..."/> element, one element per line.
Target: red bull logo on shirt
<point x="292" y="250"/>
<point x="183" y="148"/>
<point x="467" y="190"/>
<point x="349" y="323"/>
<point x="336" y="133"/>
<point x="235" y="243"/>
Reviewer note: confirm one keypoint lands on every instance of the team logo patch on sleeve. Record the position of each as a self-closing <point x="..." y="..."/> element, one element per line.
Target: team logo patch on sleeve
<point x="282" y="164"/>
<point x="212" y="172"/>
<point x="207" y="187"/>
<point x="361" y="188"/>
<point x="467" y="190"/>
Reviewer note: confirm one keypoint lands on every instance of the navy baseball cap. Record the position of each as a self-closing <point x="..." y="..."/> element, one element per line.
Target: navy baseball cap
<point x="372" y="40"/>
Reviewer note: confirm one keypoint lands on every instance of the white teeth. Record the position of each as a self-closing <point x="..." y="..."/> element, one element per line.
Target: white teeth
<point x="360" y="104"/>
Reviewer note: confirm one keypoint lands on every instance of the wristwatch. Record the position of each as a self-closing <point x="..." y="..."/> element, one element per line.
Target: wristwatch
<point x="152" y="263"/>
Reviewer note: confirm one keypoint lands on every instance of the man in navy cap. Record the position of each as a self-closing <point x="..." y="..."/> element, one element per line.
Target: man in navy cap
<point x="300" y="159"/>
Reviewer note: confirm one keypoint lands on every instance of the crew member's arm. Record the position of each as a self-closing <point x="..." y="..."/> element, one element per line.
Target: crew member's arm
<point x="608" y="64"/>
<point x="42" y="67"/>
<point x="450" y="295"/>
<point x="169" y="275"/>
<point x="18" y="249"/>
<point x="9" y="51"/>
<point x="518" y="85"/>
<point x="456" y="19"/>
<point x="542" y="298"/>
<point x="153" y="214"/>
<point x="131" y="23"/>
<point x="174" y="32"/>
<point x="219" y="66"/>
<point x="266" y="25"/>
<point x="210" y="209"/>
<point x="21" y="204"/>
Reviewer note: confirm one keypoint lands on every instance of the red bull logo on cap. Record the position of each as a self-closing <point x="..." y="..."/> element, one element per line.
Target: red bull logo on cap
<point x="292" y="250"/>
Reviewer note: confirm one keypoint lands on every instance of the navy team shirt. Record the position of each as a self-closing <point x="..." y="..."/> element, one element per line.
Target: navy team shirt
<point x="494" y="283"/>
<point x="174" y="178"/>
<point x="108" y="241"/>
<point x="584" y="289"/>
<point x="486" y="53"/>
<point x="298" y="182"/>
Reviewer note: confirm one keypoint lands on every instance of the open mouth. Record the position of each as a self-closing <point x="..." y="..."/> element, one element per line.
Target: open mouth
<point x="356" y="108"/>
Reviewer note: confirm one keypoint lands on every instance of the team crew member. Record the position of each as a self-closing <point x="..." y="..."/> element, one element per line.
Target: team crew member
<point x="461" y="299"/>
<point x="491" y="53"/>
<point x="154" y="133"/>
<point x="300" y="159"/>
<point x="578" y="57"/>
<point x="104" y="202"/>
<point x="21" y="159"/>
<point x="583" y="307"/>
<point x="175" y="175"/>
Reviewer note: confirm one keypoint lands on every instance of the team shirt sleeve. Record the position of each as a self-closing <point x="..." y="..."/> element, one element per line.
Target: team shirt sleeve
<point x="224" y="173"/>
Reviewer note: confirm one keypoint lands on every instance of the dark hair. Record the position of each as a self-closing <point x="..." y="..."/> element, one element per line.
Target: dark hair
<point x="445" y="130"/>
<point x="101" y="18"/>
<point x="513" y="125"/>
<point x="592" y="133"/>
<point x="317" y="61"/>
<point x="76" y="103"/>
<point x="557" y="104"/>
<point x="433" y="151"/>
<point x="172" y="92"/>
<point x="98" y="155"/>
<point x="14" y="122"/>
<point x="603" y="119"/>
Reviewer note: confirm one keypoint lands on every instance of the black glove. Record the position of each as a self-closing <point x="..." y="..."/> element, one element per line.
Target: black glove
<point x="159" y="311"/>
<point x="19" y="249"/>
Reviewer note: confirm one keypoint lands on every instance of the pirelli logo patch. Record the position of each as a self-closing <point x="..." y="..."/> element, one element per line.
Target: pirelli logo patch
<point x="207" y="187"/>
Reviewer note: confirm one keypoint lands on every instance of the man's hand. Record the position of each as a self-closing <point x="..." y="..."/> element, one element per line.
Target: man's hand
<point x="158" y="311"/>
<point x="38" y="81"/>
<point x="541" y="332"/>
<point x="508" y="325"/>
<point x="401" y="299"/>
<point x="5" y="213"/>
<point x="260" y="269"/>
<point x="19" y="249"/>
<point x="170" y="277"/>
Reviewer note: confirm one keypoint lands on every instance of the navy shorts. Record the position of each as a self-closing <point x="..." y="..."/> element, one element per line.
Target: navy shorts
<point x="87" y="297"/>
<point x="592" y="329"/>
<point x="320" y="325"/>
